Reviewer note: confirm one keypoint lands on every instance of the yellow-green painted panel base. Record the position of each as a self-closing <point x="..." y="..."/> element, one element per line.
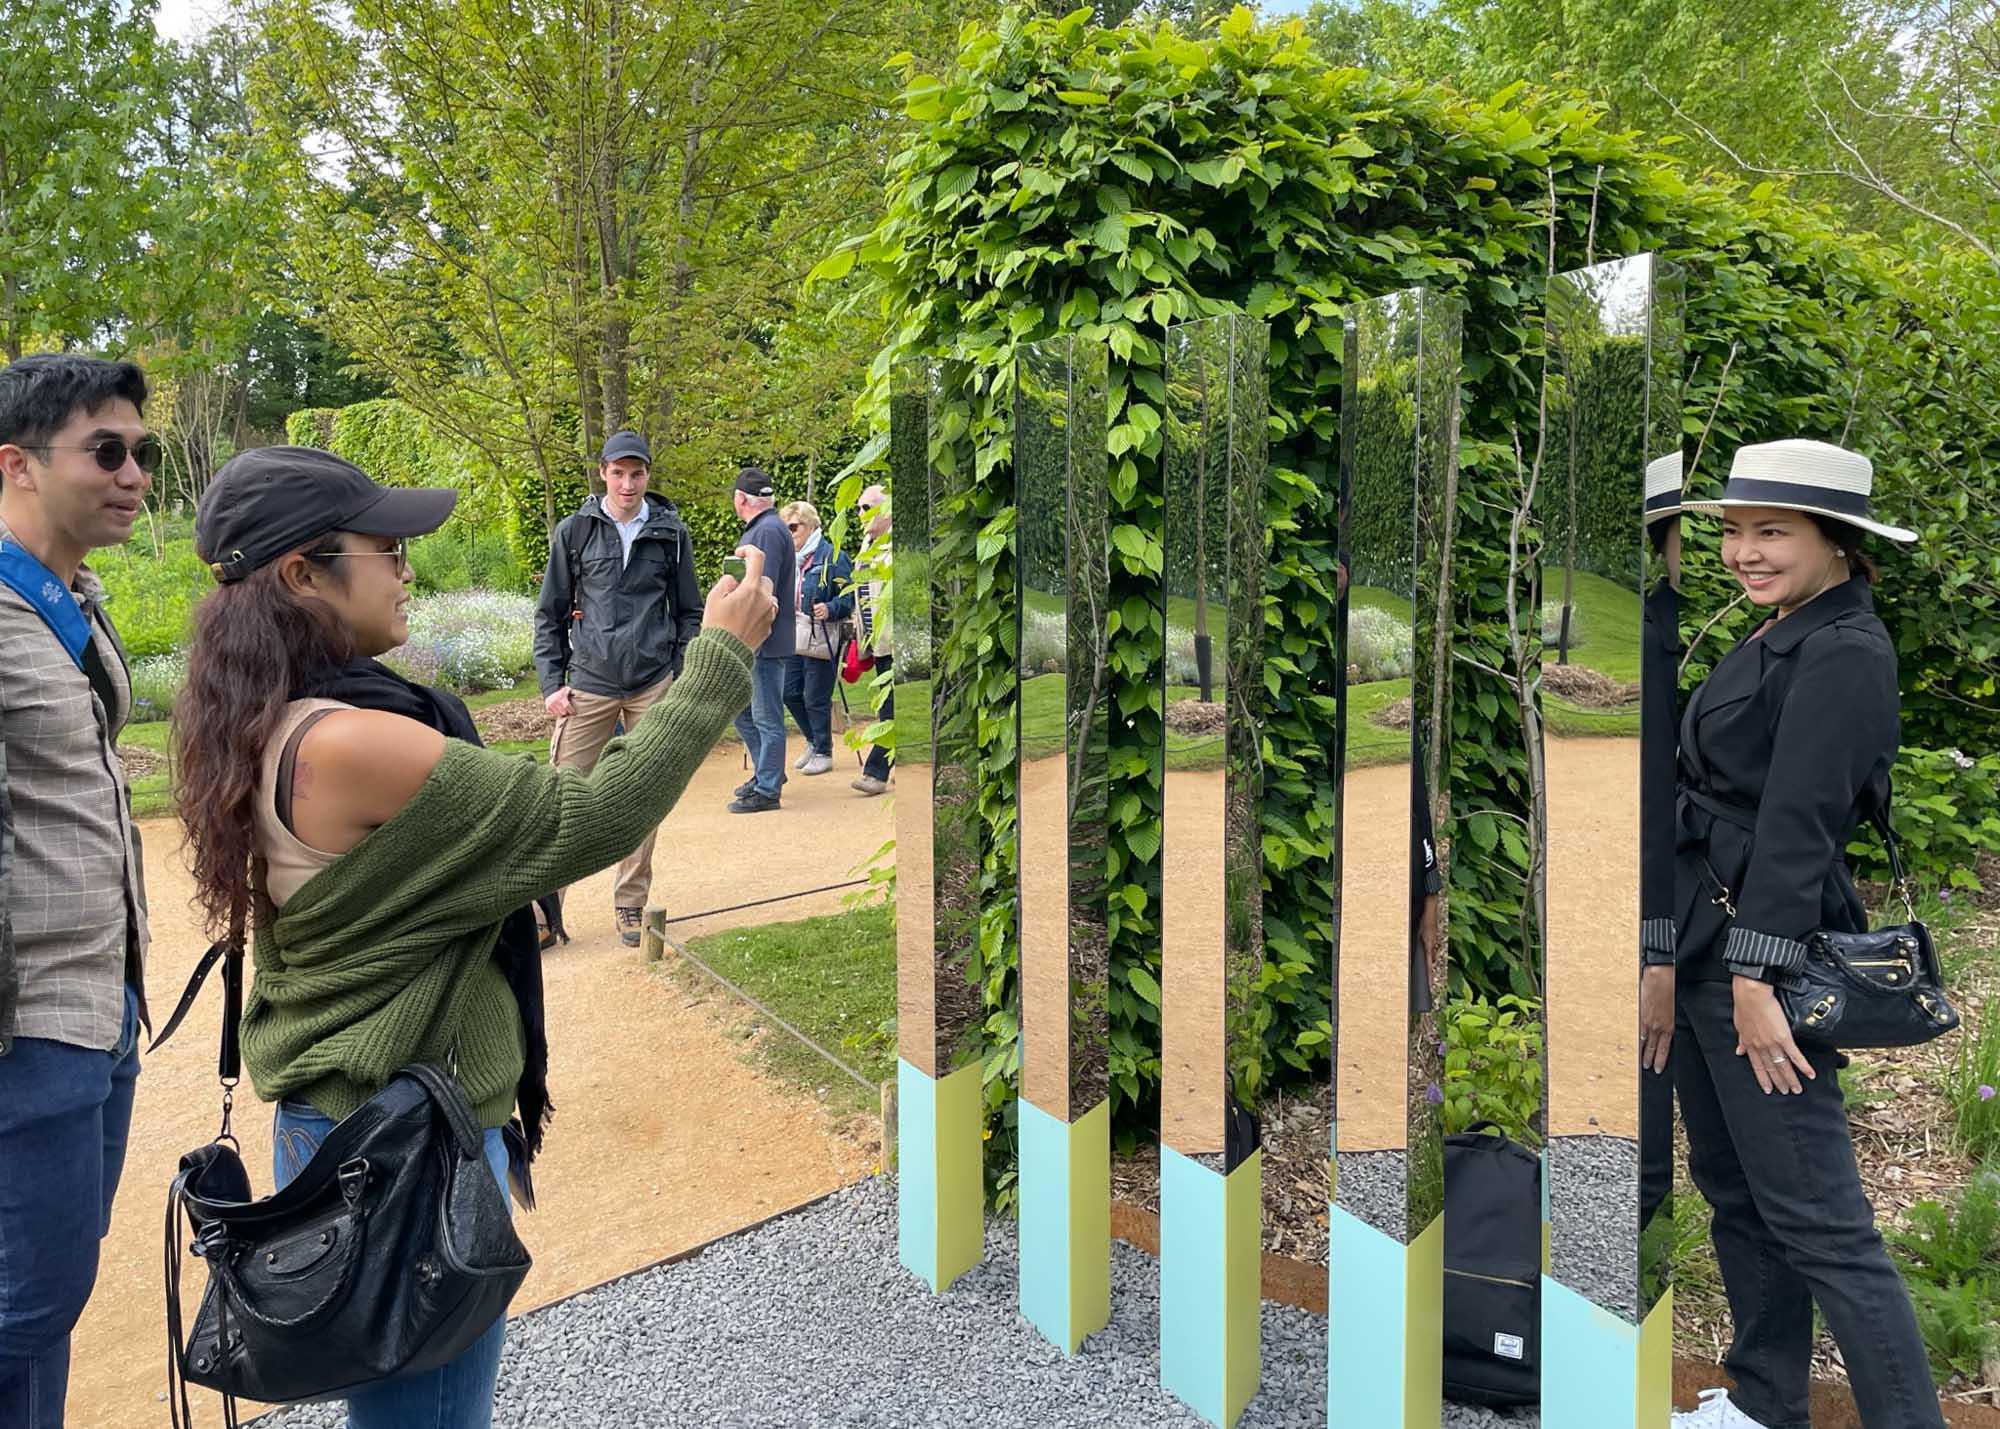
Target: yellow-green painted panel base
<point x="940" y="1182"/>
<point x="1423" y="1330"/>
<point x="1656" y="1365"/>
<point x="1065" y="1223"/>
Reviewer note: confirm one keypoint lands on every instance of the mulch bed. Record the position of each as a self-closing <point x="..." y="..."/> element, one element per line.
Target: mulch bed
<point x="139" y="763"/>
<point x="1589" y="688"/>
<point x="514" y="719"/>
<point x="1394" y="715"/>
<point x="1197" y="717"/>
<point x="1297" y="1152"/>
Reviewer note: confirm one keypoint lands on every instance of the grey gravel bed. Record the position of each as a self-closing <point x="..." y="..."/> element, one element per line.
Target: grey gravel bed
<point x="809" y="1322"/>
<point x="1373" y="1186"/>
<point x="1594" y="1218"/>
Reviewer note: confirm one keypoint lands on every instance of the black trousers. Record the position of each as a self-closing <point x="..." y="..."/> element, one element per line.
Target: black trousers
<point x="1792" y="1228"/>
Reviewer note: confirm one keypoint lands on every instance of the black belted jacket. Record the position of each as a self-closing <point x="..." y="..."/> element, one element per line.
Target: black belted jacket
<point x="1785" y="750"/>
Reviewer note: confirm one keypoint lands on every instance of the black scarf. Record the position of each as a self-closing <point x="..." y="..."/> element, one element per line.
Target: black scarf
<point x="371" y="685"/>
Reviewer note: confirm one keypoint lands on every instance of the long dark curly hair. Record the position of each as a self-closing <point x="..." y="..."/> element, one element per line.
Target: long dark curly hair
<point x="254" y="643"/>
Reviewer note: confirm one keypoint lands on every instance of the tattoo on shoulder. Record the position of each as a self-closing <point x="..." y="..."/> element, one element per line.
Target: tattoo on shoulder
<point x="302" y="779"/>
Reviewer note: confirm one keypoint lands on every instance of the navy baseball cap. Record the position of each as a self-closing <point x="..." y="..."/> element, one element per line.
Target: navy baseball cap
<point x="626" y="444"/>
<point x="752" y="482"/>
<point x="270" y="500"/>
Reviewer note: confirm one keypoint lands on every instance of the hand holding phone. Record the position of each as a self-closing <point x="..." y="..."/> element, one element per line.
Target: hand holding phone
<point x="743" y="604"/>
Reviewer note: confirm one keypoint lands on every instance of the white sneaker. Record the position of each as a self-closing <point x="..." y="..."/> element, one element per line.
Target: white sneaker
<point x="1714" y="1412"/>
<point x="804" y="759"/>
<point x="816" y="764"/>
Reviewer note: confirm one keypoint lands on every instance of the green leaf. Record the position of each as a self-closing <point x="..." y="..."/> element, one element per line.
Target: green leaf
<point x="832" y="268"/>
<point x="1143" y="983"/>
<point x="1087" y="97"/>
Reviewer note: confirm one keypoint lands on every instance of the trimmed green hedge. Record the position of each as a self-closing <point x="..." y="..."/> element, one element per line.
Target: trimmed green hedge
<point x="1068" y="178"/>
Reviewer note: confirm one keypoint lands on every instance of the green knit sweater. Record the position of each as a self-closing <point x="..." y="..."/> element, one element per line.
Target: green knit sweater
<point x="385" y="957"/>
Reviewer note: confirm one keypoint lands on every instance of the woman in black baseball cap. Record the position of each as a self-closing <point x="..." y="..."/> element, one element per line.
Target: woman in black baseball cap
<point x="382" y="860"/>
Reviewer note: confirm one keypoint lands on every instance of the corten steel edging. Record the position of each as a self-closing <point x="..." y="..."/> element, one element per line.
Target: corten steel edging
<point x="1302" y="1285"/>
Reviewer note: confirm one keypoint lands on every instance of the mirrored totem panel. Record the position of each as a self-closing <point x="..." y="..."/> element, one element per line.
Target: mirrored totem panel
<point x="1613" y="390"/>
<point x="1212" y="905"/>
<point x="1399" y="441"/>
<point x="937" y="837"/>
<point x="1063" y="559"/>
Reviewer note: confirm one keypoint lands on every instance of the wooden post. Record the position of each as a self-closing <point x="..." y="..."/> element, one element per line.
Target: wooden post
<point x="889" y="1125"/>
<point x="654" y="940"/>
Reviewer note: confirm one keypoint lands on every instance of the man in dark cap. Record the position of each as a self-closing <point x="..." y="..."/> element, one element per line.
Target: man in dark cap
<point x="76" y="462"/>
<point x="619" y="604"/>
<point x="762" y="726"/>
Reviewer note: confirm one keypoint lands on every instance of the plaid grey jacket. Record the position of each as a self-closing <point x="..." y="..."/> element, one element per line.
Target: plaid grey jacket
<point x="72" y="883"/>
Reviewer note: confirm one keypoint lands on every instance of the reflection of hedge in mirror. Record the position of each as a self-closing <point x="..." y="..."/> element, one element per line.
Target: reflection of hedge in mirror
<point x="1062" y="180"/>
<point x="1597" y="415"/>
<point x="1381" y="533"/>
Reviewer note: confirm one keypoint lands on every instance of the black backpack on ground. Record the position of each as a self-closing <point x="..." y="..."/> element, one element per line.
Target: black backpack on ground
<point x="1492" y="1269"/>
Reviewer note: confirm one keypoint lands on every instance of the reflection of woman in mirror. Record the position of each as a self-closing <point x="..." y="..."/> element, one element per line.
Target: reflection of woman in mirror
<point x="1784" y="750"/>
<point x="1659" y="716"/>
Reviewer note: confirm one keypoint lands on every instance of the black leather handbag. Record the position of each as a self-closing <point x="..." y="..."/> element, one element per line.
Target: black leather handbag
<point x="390" y="1254"/>
<point x="1881" y="988"/>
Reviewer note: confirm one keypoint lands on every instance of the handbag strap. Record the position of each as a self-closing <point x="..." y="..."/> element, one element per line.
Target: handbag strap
<point x="1901" y="879"/>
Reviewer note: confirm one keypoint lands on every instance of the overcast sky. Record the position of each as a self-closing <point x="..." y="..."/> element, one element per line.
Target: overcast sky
<point x="178" y="19"/>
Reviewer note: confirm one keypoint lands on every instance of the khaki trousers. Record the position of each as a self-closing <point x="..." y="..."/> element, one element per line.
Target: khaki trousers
<point x="577" y="742"/>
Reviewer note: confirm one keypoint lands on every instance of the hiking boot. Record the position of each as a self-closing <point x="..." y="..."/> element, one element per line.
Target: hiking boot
<point x="870" y="785"/>
<point x="744" y="790"/>
<point x="628" y="926"/>
<point x="816" y="764"/>
<point x="1714" y="1412"/>
<point x="754" y="803"/>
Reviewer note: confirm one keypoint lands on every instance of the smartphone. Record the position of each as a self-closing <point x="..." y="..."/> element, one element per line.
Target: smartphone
<point x="735" y="566"/>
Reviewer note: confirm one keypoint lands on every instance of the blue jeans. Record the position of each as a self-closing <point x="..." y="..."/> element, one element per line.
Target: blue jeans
<point x="763" y="725"/>
<point x="809" y="696"/>
<point x="65" y="1113"/>
<point x="458" y="1395"/>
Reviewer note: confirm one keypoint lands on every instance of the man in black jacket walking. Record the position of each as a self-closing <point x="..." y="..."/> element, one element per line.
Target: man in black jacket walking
<point x="619" y="604"/>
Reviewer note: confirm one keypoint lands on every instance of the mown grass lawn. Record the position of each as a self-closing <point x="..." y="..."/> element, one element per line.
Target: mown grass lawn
<point x="832" y="977"/>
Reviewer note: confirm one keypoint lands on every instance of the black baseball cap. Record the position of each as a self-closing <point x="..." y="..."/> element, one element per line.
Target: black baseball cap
<point x="752" y="482"/>
<point x="626" y="444"/>
<point x="271" y="500"/>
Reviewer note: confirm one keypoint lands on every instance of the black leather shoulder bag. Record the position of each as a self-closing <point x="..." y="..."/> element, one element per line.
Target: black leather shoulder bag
<point x="1881" y="988"/>
<point x="388" y="1255"/>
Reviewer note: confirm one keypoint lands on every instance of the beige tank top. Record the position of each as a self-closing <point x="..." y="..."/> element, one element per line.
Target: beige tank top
<point x="288" y="863"/>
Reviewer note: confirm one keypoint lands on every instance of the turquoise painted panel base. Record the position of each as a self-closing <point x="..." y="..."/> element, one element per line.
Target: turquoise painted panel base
<point x="1385" y="1327"/>
<point x="1590" y="1363"/>
<point x="1066" y="1223"/>
<point x="940" y="1189"/>
<point x="1211" y="1268"/>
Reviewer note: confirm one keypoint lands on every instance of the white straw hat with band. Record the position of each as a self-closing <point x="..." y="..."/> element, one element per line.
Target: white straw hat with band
<point x="1802" y="475"/>
<point x="1663" y="486"/>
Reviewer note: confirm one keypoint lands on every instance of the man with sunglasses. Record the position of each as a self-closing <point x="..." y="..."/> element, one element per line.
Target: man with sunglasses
<point x="76" y="463"/>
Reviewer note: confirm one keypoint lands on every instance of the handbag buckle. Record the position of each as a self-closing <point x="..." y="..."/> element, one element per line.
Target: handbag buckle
<point x="353" y="1177"/>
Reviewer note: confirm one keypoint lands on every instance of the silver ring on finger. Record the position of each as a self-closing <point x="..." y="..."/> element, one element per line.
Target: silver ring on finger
<point x="1779" y="1059"/>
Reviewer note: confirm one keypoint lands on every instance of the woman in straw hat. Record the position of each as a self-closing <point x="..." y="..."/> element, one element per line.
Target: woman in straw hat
<point x="1784" y="750"/>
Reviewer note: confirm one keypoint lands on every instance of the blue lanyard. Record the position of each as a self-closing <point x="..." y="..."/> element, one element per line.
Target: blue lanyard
<point x="52" y="600"/>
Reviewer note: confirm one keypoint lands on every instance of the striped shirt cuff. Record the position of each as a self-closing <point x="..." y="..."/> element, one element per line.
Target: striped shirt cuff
<point x="1750" y="952"/>
<point x="1656" y="940"/>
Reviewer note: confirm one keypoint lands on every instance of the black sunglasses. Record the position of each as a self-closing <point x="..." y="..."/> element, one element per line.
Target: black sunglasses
<point x="111" y="452"/>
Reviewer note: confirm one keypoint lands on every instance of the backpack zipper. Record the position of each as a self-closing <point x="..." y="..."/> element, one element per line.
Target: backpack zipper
<point x="1489" y="1279"/>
